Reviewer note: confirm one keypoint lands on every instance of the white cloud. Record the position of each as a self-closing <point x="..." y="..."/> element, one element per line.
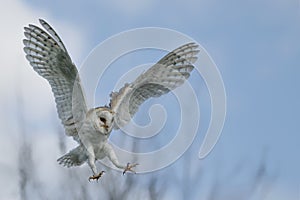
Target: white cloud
<point x="13" y="63"/>
<point x="17" y="76"/>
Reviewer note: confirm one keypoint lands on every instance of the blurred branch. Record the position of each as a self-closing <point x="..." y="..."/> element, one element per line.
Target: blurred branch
<point x="25" y="162"/>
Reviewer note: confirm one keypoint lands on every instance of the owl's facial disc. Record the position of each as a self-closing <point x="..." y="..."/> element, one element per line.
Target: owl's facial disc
<point x="105" y="121"/>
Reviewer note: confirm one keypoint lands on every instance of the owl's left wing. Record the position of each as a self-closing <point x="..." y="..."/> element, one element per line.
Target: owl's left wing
<point x="169" y="73"/>
<point x="49" y="58"/>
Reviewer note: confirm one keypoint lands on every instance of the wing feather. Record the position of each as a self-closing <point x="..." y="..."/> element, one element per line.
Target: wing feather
<point x="53" y="34"/>
<point x="48" y="56"/>
<point x="167" y="74"/>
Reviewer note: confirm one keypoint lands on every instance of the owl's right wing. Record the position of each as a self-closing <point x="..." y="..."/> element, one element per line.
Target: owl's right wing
<point x="49" y="58"/>
<point x="169" y="73"/>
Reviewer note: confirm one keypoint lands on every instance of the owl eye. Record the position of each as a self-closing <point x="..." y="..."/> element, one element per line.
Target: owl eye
<point x="103" y="120"/>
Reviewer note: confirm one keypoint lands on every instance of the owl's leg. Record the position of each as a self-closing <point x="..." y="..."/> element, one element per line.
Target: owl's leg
<point x="110" y="153"/>
<point x="91" y="162"/>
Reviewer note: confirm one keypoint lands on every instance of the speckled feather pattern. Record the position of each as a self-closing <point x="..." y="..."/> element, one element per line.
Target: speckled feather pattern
<point x="49" y="58"/>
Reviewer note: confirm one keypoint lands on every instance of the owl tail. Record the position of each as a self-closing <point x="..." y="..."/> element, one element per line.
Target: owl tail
<point x="75" y="157"/>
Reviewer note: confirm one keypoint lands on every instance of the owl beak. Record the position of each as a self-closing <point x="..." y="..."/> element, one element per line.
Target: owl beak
<point x="105" y="126"/>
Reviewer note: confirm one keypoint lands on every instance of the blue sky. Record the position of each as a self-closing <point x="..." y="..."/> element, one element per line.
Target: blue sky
<point x="255" y="45"/>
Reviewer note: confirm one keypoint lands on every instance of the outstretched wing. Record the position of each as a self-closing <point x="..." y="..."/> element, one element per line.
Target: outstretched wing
<point x="49" y="58"/>
<point x="169" y="73"/>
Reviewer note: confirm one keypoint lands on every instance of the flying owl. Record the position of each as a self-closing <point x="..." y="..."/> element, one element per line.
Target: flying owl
<point x="91" y="127"/>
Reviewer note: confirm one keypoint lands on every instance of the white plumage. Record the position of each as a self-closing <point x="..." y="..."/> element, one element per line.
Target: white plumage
<point x="91" y="127"/>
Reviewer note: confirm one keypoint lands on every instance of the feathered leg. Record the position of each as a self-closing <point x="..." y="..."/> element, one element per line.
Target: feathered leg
<point x="91" y="162"/>
<point x="110" y="153"/>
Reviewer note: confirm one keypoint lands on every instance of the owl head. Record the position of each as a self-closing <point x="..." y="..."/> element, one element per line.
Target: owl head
<point x="106" y="119"/>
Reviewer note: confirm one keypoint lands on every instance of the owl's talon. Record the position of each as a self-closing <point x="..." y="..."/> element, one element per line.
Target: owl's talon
<point x="129" y="168"/>
<point x="96" y="177"/>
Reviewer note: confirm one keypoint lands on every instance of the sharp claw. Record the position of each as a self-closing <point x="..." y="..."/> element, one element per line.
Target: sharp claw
<point x="129" y="168"/>
<point x="96" y="177"/>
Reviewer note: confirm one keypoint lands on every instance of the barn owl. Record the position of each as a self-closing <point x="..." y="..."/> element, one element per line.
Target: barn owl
<point x="91" y="128"/>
